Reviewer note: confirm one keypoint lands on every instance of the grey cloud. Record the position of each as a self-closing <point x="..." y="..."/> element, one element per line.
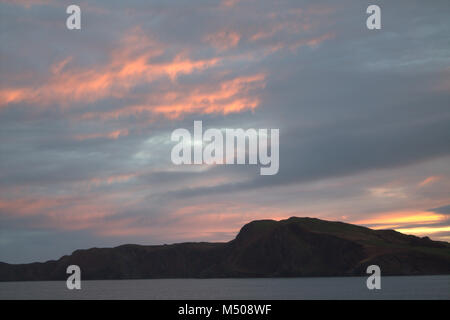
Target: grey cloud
<point x="443" y="209"/>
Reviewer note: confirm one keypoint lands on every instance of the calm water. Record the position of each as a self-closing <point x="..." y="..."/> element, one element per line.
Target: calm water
<point x="417" y="287"/>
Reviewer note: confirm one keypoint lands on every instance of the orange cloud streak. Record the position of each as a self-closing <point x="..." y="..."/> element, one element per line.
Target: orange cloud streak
<point x="129" y="65"/>
<point x="228" y="97"/>
<point x="399" y="218"/>
<point x="429" y="180"/>
<point x="110" y="135"/>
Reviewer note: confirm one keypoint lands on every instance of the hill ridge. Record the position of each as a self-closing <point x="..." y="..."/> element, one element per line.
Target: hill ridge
<point x="294" y="247"/>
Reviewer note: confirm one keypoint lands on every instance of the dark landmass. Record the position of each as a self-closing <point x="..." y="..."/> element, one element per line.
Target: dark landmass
<point x="296" y="247"/>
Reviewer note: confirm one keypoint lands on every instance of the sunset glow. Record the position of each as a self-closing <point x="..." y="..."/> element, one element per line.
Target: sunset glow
<point x="86" y="118"/>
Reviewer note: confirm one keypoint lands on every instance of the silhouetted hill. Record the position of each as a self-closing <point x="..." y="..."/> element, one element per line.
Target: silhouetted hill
<point x="289" y="248"/>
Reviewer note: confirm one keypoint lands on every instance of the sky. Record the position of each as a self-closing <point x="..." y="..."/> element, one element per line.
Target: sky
<point x="86" y="118"/>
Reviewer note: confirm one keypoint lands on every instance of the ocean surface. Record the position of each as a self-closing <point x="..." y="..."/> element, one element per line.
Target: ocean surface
<point x="414" y="287"/>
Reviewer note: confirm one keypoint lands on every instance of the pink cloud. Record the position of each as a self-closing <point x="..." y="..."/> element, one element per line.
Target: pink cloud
<point x="114" y="135"/>
<point x="129" y="65"/>
<point x="430" y="180"/>
<point x="223" y="40"/>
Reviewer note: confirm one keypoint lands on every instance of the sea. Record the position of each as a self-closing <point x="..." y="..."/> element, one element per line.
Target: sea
<point x="336" y="288"/>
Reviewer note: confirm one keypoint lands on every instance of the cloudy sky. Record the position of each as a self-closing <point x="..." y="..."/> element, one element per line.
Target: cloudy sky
<point x="86" y="117"/>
